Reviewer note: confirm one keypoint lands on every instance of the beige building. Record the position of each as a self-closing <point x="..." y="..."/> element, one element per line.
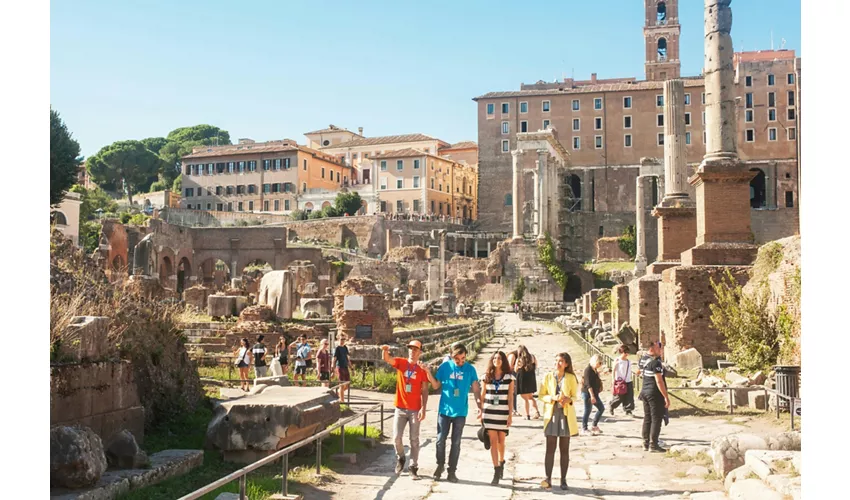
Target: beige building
<point x="157" y="200"/>
<point x="411" y="181"/>
<point x="66" y="217"/>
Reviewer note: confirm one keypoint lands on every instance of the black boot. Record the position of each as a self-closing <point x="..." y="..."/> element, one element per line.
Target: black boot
<point x="497" y="474"/>
<point x="502" y="469"/>
<point x="438" y="473"/>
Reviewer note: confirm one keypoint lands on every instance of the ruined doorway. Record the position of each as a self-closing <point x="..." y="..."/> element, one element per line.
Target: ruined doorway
<point x="575" y="186"/>
<point x="758" y="189"/>
<point x="183" y="270"/>
<point x="166" y="269"/>
<point x="573" y="289"/>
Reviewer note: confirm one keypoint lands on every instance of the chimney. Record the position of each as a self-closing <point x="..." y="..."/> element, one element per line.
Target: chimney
<point x="593" y="78"/>
<point x="360" y="130"/>
<point x="246" y="141"/>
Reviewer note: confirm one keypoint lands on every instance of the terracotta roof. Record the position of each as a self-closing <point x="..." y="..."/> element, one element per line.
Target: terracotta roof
<point x="764" y="55"/>
<point x="389" y="139"/>
<point x="259" y="148"/>
<point x="590" y="89"/>
<point x="331" y="128"/>
<point x="462" y="145"/>
<point x="400" y="153"/>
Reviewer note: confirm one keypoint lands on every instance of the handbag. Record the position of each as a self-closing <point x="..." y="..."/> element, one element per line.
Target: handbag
<point x="620" y="387"/>
<point x="483" y="436"/>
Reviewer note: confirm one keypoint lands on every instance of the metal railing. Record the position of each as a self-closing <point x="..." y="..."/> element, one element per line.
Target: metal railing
<point x="283" y="454"/>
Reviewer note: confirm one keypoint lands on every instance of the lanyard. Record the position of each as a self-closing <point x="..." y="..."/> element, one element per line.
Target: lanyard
<point x="498" y="383"/>
<point x="409" y="372"/>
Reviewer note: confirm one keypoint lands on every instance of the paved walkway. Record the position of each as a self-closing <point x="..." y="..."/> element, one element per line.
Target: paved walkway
<point x="609" y="466"/>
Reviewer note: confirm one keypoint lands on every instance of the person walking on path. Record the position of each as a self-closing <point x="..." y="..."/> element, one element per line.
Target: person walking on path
<point x="323" y="357"/>
<point x="282" y="354"/>
<point x="342" y="363"/>
<point x="653" y="393"/>
<point x="623" y="388"/>
<point x="302" y="351"/>
<point x="512" y="359"/>
<point x="591" y="386"/>
<point x="526" y="380"/>
<point x="498" y="408"/>
<point x="243" y="362"/>
<point x="411" y="400"/>
<point x="259" y="352"/>
<point x="454" y="378"/>
<point x="557" y="392"/>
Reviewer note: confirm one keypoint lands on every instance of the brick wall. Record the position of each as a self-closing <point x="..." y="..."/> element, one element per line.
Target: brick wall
<point x="643" y="307"/>
<point x="770" y="225"/>
<point x="608" y="249"/>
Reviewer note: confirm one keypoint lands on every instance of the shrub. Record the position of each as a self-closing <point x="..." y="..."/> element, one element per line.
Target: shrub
<point x="602" y="302"/>
<point x="519" y="292"/>
<point x="627" y="242"/>
<point x="546" y="254"/>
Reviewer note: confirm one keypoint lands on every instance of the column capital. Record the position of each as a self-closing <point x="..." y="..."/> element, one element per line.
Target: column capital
<point x="516" y="152"/>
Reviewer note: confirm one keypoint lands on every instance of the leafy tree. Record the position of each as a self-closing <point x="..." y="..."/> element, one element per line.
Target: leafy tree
<point x="93" y="199"/>
<point x="159" y="185"/>
<point x="180" y="141"/>
<point x="177" y="185"/>
<point x="347" y="203"/>
<point x="519" y="291"/>
<point x="125" y="165"/>
<point x="627" y="242"/>
<point x="203" y="133"/>
<point x="90" y="235"/>
<point x="64" y="152"/>
<point x="155" y="144"/>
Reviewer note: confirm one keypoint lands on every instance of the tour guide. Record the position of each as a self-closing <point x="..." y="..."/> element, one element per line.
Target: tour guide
<point x="654" y="396"/>
<point x="411" y="398"/>
<point x="455" y="377"/>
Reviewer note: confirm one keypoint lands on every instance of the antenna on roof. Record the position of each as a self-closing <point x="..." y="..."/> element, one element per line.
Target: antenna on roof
<point x="771" y="40"/>
<point x="782" y="46"/>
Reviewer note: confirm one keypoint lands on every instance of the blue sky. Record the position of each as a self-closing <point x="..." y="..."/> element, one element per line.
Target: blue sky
<point x="276" y="69"/>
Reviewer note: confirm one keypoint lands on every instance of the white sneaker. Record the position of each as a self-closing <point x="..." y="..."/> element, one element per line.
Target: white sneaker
<point x="585" y="432"/>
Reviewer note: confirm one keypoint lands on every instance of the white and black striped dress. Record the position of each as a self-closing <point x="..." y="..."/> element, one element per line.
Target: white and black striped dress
<point x="496" y="409"/>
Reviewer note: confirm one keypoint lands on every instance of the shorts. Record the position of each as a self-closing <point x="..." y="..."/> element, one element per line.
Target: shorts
<point x="344" y="376"/>
<point x="324" y="375"/>
<point x="242" y="364"/>
<point x="300" y="370"/>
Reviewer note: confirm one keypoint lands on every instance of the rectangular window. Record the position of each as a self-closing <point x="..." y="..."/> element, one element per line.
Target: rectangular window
<point x="383" y="165"/>
<point x="266" y="205"/>
<point x="432" y="183"/>
<point x="792" y="114"/>
<point x="506" y="127"/>
<point x="523" y="126"/>
<point x="771" y="99"/>
<point x="276" y="164"/>
<point x="416" y="206"/>
<point x="545" y="124"/>
<point x="337" y="176"/>
<point x="576" y="143"/>
<point x="627" y="102"/>
<point x="416" y="181"/>
<point x="267" y="164"/>
<point x="200" y="192"/>
<point x="659" y="100"/>
<point x="305" y="164"/>
<point x="230" y="207"/>
<point x="791" y="101"/>
<point x="702" y="98"/>
<point x="790" y="78"/>
<point x="627" y="140"/>
<point x="275" y="187"/>
<point x="218" y="190"/>
<point x="399" y="183"/>
<point x="748" y="115"/>
<point x="286" y="204"/>
<point x="771" y="80"/>
<point x="219" y="168"/>
<point x="209" y="206"/>
<point x="211" y="169"/>
<point x="383" y="183"/>
<point x="546" y="106"/>
<point x="789" y="199"/>
<point x="687" y="138"/>
<point x="704" y="138"/>
<point x="239" y="206"/>
<point x="597" y="103"/>
<point x="751" y="135"/>
<point x="276" y="205"/>
<point x="506" y="146"/>
<point x="597" y="123"/>
<point x="687" y="119"/>
<point x="252" y="166"/>
<point x="383" y="207"/>
<point x="251" y="188"/>
<point x="687" y="99"/>
<point x="749" y="102"/>
<point x="432" y="206"/>
<point x="598" y="142"/>
<point x="523" y="107"/>
<point x="506" y="108"/>
<point x="660" y="139"/>
<point x="399" y="206"/>
<point x="323" y="173"/>
<point x="659" y="119"/>
<point x="748" y="81"/>
<point x="771" y="115"/>
<point x="771" y="134"/>
<point x="241" y="167"/>
<point x="189" y="192"/>
<point x="266" y="188"/>
<point x="286" y="163"/>
<point x="415" y="164"/>
<point x="491" y="108"/>
<point x="230" y="167"/>
<point x="627" y="122"/>
<point x="575" y="105"/>
<point x="576" y="123"/>
<point x="792" y="133"/>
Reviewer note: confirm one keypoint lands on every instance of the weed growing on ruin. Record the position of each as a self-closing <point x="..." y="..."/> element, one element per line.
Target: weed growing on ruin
<point x="519" y="291"/>
<point x="546" y="253"/>
<point x="602" y="302"/>
<point x="628" y="242"/>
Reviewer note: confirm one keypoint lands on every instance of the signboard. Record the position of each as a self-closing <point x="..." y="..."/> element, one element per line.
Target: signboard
<point x="797" y="406"/>
<point x="353" y="303"/>
<point x="363" y="331"/>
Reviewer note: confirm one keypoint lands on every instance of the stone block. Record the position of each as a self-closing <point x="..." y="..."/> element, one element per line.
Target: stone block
<point x="85" y="339"/>
<point x="321" y="306"/>
<point x="276" y="291"/>
<point x="644" y="308"/>
<point x="221" y="306"/>
<point x="689" y="359"/>
<point x="728" y="451"/>
<point x="123" y="452"/>
<point x="350" y="458"/>
<point x="758" y="378"/>
<point x="77" y="459"/>
<point x="757" y="400"/>
<point x="747" y="489"/>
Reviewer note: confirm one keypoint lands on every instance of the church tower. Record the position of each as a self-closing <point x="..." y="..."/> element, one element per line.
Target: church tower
<point x="661" y="34"/>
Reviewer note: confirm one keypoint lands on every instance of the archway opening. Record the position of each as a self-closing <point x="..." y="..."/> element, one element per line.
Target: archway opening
<point x="575" y="186"/>
<point x="59" y="218"/>
<point x="758" y="189"/>
<point x="184" y="270"/>
<point x="662" y="49"/>
<point x="661" y="14"/>
<point x="166" y="269"/>
<point x="308" y="207"/>
<point x="573" y="289"/>
<point x="326" y="205"/>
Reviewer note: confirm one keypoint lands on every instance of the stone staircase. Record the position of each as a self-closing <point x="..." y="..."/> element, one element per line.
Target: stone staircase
<point x="765" y="475"/>
<point x="207" y="338"/>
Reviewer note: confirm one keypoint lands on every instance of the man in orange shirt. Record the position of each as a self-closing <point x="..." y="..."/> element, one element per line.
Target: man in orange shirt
<point x="411" y="399"/>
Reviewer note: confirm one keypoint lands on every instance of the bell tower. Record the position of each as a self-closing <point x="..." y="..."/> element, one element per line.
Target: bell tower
<point x="661" y="34"/>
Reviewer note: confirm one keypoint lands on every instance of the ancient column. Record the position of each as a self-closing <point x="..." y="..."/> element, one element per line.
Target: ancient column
<point x="640" y="226"/>
<point x="535" y="210"/>
<point x="543" y="193"/>
<point x="516" y="195"/>
<point x="724" y="233"/>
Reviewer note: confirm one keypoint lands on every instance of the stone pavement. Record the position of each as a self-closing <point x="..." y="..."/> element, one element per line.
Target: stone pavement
<point x="609" y="466"/>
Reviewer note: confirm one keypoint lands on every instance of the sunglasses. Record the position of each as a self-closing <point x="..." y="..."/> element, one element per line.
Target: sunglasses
<point x="413" y="347"/>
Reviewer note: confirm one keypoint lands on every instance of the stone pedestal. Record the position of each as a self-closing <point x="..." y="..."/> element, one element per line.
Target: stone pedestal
<point x="643" y="308"/>
<point x="620" y="294"/>
<point x="677" y="231"/>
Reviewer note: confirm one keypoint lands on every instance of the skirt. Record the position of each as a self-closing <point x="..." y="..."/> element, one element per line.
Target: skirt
<point x="526" y="382"/>
<point x="557" y="426"/>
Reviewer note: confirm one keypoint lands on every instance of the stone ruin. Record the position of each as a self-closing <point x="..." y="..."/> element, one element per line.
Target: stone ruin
<point x="277" y="291"/>
<point x="360" y="311"/>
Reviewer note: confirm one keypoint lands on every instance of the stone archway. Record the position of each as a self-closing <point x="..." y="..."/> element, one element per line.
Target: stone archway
<point x="184" y="271"/>
<point x="166" y="269"/>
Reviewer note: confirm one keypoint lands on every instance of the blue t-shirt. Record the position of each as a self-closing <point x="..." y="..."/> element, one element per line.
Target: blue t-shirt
<point x="455" y="380"/>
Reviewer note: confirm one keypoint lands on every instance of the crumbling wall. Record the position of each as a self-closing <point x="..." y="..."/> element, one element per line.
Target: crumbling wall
<point x="644" y="308"/>
<point x="608" y="249"/>
<point x="373" y="316"/>
<point x="405" y="254"/>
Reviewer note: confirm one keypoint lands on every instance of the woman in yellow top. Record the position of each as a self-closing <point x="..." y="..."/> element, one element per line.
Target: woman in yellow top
<point x="557" y="392"/>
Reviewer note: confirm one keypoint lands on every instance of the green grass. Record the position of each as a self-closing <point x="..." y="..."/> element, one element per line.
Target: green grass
<point x="189" y="433"/>
<point x="605" y="267"/>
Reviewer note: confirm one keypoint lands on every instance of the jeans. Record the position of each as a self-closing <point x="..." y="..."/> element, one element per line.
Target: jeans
<point x="653" y="412"/>
<point x="401" y="418"/>
<point x="587" y="407"/>
<point x="443" y="425"/>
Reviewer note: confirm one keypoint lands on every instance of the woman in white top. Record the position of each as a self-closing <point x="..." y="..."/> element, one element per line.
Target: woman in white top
<point x="243" y="361"/>
<point x="622" y="374"/>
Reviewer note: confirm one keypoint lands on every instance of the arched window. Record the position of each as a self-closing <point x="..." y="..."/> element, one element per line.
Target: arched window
<point x="661" y="14"/>
<point x="59" y="219"/>
<point x="509" y="200"/>
<point x="662" y="49"/>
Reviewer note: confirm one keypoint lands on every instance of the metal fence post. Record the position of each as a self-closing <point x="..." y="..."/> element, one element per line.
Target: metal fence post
<point x="766" y="399"/>
<point x="342" y="438"/>
<point x="791" y="405"/>
<point x="365" y="416"/>
<point x="242" y="487"/>
<point x="318" y="456"/>
<point x="285" y="488"/>
<point x="731" y="402"/>
<point x="777" y="405"/>
<point x="382" y="419"/>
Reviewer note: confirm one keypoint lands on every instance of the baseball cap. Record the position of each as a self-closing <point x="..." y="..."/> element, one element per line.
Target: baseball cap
<point x="415" y="343"/>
